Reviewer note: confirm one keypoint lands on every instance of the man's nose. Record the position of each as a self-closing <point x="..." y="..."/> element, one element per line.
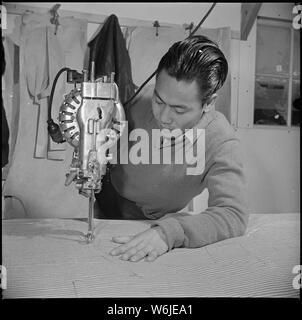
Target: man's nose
<point x="165" y="115"/>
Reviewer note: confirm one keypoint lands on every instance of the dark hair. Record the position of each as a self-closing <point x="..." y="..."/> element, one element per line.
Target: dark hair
<point x="196" y="58"/>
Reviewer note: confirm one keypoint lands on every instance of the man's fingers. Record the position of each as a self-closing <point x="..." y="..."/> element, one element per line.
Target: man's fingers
<point x="122" y="239"/>
<point x="134" y="248"/>
<point x="136" y="253"/>
<point x="152" y="256"/>
<point x="139" y="255"/>
<point x="129" y="253"/>
<point x="142" y="251"/>
<point x="128" y="243"/>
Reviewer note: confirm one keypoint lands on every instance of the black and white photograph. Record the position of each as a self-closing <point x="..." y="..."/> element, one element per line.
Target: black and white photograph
<point x="150" y="150"/>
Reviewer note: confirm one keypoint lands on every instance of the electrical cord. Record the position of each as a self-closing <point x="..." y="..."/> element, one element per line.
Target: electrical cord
<point x="53" y="90"/>
<point x="203" y="19"/>
<point x="53" y="128"/>
<point x="154" y="73"/>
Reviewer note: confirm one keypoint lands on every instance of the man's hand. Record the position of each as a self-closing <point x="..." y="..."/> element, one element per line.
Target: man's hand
<point x="150" y="243"/>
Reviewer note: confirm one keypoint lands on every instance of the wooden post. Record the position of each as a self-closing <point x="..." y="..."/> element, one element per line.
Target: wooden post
<point x="249" y="13"/>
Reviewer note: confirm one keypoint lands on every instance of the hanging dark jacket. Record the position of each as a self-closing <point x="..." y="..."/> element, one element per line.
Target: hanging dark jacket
<point x="4" y="124"/>
<point x="108" y="50"/>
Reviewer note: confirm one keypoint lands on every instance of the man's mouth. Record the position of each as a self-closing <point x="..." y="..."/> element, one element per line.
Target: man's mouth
<point x="161" y="126"/>
<point x="167" y="128"/>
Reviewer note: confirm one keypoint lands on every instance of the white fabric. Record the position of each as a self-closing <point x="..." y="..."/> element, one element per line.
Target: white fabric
<point x="49" y="259"/>
<point x="39" y="183"/>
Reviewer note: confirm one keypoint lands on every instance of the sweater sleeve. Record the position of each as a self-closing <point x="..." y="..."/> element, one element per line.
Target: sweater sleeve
<point x="227" y="213"/>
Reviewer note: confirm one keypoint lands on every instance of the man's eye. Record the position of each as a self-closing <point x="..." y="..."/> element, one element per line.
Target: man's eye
<point x="179" y="111"/>
<point x="159" y="102"/>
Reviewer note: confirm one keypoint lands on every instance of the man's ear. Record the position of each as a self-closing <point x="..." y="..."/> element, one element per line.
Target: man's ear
<point x="210" y="103"/>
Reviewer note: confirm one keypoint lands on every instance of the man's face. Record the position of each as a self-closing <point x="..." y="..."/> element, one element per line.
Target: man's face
<point x="176" y="104"/>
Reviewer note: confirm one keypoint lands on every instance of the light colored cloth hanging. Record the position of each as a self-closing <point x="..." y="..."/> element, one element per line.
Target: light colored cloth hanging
<point x="11" y="95"/>
<point x="72" y="38"/>
<point x="39" y="183"/>
<point x="44" y="54"/>
<point x="39" y="66"/>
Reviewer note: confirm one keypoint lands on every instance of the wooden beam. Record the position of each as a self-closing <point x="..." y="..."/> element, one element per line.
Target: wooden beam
<point x="249" y="13"/>
<point x="19" y="9"/>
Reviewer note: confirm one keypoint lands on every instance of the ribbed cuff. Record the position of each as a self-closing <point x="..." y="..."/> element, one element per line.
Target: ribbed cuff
<point x="173" y="231"/>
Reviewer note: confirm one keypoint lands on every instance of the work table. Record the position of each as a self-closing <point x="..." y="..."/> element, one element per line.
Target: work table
<point x="48" y="258"/>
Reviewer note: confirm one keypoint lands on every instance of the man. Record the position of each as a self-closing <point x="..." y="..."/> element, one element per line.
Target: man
<point x="188" y="77"/>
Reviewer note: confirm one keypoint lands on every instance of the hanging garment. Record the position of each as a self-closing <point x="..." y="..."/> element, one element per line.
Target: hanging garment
<point x="39" y="183"/>
<point x="4" y="124"/>
<point x="11" y="95"/>
<point x="72" y="37"/>
<point x="108" y="50"/>
<point x="41" y="65"/>
<point x="45" y="53"/>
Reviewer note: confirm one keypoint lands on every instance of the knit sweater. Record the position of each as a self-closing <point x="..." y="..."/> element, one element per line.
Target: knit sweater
<point x="160" y="191"/>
